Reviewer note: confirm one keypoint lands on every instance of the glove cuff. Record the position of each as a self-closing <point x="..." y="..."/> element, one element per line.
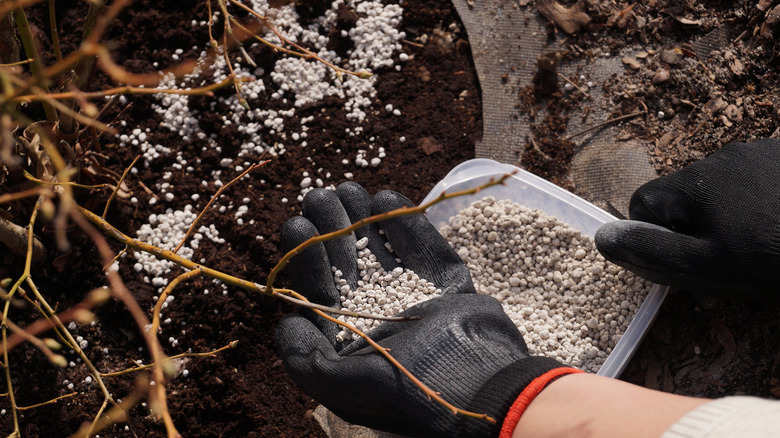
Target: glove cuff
<point x="526" y="378"/>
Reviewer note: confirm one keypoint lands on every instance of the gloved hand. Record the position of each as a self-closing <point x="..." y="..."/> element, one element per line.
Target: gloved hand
<point x="463" y="346"/>
<point x="712" y="227"/>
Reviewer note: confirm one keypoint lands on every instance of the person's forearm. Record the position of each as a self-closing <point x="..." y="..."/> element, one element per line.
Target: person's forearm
<point x="585" y="405"/>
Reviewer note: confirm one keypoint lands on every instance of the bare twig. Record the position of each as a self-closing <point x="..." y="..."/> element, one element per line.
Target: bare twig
<point x="214" y="198"/>
<point x="301" y="51"/>
<point x="36" y="67"/>
<point x="574" y="85"/>
<point x="55" y="39"/>
<point x="55" y="359"/>
<point x="120" y="291"/>
<point x="210" y="272"/>
<point x="117" y="413"/>
<point x="9" y="197"/>
<point x="119" y="184"/>
<point x="599" y="125"/>
<point x="16" y="239"/>
<point x="168" y="289"/>
<point x="207" y="90"/>
<point x="403" y="211"/>
<point x="48" y="402"/>
<point x="428" y="391"/>
<point x="139" y="367"/>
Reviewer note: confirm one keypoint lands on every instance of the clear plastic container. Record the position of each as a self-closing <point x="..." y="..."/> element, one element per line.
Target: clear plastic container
<point x="534" y="192"/>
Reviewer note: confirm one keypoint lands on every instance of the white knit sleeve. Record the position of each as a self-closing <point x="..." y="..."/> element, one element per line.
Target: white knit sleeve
<point x="729" y="417"/>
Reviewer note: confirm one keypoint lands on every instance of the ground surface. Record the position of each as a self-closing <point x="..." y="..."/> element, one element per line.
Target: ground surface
<point x="696" y="346"/>
<point x="242" y="392"/>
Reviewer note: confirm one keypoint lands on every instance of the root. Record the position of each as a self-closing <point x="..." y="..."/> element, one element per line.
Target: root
<point x="15" y="238"/>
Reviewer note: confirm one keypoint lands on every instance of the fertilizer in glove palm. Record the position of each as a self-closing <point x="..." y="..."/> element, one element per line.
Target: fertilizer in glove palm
<point x="566" y="300"/>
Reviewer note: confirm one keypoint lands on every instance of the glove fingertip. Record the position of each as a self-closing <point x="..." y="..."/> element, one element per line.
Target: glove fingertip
<point x="295" y="231"/>
<point x="664" y="201"/>
<point x="388" y="200"/>
<point x="355" y="199"/>
<point x="316" y="198"/>
<point x="625" y="241"/>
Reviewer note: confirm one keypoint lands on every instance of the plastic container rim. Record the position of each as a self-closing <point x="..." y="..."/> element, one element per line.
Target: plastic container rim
<point x="478" y="171"/>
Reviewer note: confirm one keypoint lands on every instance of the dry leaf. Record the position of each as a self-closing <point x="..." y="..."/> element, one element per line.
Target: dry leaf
<point x="688" y="21"/>
<point x="771" y="21"/>
<point x="631" y="62"/>
<point x="736" y="67"/>
<point x="714" y="105"/>
<point x="671" y="57"/>
<point x="660" y="76"/>
<point x="549" y="61"/>
<point x="37" y="156"/>
<point x="666" y="139"/>
<point x="429" y="145"/>
<point x="570" y="20"/>
<point x="733" y="113"/>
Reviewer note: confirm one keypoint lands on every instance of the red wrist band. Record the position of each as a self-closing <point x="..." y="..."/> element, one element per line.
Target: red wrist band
<point x="527" y="396"/>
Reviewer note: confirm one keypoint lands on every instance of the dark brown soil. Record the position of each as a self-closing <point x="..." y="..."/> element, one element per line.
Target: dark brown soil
<point x="696" y="346"/>
<point x="241" y="392"/>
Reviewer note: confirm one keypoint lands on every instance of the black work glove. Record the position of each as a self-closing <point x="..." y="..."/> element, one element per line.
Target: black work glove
<point x="712" y="227"/>
<point x="463" y="346"/>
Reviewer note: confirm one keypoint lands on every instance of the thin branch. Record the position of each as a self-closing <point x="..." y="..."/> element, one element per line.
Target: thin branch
<point x="207" y="90"/>
<point x="290" y="296"/>
<point x="95" y="420"/>
<point x="120" y="291"/>
<point x="54" y="358"/>
<point x="30" y="177"/>
<point x="168" y="289"/>
<point x="119" y="184"/>
<point x="36" y="66"/>
<point x="116" y="257"/>
<point x="3" y="327"/>
<point x="428" y="391"/>
<point x="403" y="211"/>
<point x="303" y="52"/>
<point x="574" y="85"/>
<point x="55" y="39"/>
<point x="48" y="402"/>
<point x="45" y="323"/>
<point x="214" y="198"/>
<point x="101" y="22"/>
<point x="118" y="413"/>
<point x="9" y="197"/>
<point x="210" y="272"/>
<point x="599" y="125"/>
<point x="76" y="347"/>
<point x="212" y="353"/>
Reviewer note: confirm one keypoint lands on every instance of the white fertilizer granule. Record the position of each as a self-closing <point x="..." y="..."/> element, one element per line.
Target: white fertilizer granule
<point x="379" y="292"/>
<point x="567" y="301"/>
